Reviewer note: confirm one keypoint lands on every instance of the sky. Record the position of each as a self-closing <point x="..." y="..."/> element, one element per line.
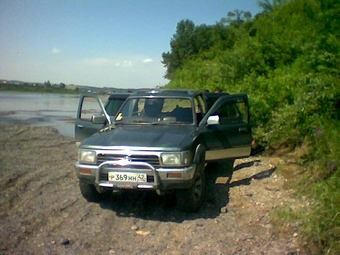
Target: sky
<point x="101" y="43"/>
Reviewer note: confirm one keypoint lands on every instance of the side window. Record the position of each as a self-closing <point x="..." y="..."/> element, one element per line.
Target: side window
<point x="201" y="102"/>
<point x="199" y="108"/>
<point x="232" y="113"/>
<point x="113" y="106"/>
<point x="89" y="107"/>
<point x="199" y="105"/>
<point x="242" y="109"/>
<point x="138" y="105"/>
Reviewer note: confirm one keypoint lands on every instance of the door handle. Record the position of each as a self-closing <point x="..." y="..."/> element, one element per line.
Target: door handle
<point x="80" y="126"/>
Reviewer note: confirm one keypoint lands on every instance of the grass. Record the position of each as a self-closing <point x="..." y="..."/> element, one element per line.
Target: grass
<point x="316" y="179"/>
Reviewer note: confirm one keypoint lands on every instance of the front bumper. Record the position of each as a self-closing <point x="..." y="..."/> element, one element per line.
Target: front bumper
<point x="160" y="179"/>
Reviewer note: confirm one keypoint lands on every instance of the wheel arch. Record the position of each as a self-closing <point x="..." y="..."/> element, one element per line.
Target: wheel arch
<point x="199" y="153"/>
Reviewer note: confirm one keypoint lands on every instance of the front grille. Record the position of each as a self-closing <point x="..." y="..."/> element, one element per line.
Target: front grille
<point x="151" y="159"/>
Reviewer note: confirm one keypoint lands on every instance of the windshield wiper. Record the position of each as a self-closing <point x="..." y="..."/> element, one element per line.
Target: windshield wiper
<point x="132" y="122"/>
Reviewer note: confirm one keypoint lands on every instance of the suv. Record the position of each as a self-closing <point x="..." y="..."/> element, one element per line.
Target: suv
<point x="161" y="140"/>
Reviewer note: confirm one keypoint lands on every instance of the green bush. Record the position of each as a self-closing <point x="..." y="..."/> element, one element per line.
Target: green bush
<point x="288" y="61"/>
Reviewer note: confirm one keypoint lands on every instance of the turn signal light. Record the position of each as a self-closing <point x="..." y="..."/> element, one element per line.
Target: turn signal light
<point x="85" y="171"/>
<point x="174" y="175"/>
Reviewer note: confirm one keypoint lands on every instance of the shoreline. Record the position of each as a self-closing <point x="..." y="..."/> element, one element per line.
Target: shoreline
<point x="8" y="118"/>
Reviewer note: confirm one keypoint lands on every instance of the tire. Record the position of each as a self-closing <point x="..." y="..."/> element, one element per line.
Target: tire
<point x="90" y="193"/>
<point x="190" y="200"/>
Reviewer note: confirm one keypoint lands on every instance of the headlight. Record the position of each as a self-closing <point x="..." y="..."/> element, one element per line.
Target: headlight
<point x="86" y="156"/>
<point x="176" y="158"/>
<point x="171" y="159"/>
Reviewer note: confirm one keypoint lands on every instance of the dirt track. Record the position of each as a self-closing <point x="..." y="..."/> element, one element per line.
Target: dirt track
<point x="42" y="211"/>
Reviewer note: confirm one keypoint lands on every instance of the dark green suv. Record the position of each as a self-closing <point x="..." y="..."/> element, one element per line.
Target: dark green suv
<point x="161" y="140"/>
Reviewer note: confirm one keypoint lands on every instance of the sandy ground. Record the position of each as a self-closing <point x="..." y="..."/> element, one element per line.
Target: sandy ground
<point x="43" y="212"/>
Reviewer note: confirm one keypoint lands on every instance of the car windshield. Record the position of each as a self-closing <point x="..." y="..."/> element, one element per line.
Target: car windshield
<point x="156" y="110"/>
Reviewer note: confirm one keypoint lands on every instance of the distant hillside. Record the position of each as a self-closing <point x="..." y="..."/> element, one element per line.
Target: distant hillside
<point x="80" y="88"/>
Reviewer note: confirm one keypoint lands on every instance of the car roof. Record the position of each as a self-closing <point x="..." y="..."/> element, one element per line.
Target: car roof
<point x="168" y="92"/>
<point x="120" y="95"/>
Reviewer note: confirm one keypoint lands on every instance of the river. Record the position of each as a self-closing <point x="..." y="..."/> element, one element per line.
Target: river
<point x="55" y="110"/>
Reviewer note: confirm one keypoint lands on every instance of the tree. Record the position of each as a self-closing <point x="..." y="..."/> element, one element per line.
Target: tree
<point x="47" y="84"/>
<point x="290" y="69"/>
<point x="269" y="5"/>
<point x="189" y="41"/>
<point x="236" y="17"/>
<point x="181" y="47"/>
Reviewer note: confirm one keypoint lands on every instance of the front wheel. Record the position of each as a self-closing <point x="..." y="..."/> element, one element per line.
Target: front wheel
<point x="190" y="200"/>
<point x="90" y="193"/>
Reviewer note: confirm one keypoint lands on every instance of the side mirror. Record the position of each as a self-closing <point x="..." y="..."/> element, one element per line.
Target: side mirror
<point x="98" y="119"/>
<point x="213" y="120"/>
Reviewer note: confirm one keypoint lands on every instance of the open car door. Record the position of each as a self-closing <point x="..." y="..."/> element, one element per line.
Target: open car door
<point x="89" y="106"/>
<point x="227" y="128"/>
<point x="92" y="115"/>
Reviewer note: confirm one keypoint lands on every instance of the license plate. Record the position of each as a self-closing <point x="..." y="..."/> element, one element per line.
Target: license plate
<point x="126" y="177"/>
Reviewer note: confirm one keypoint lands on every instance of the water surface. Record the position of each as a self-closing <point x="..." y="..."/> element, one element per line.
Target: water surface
<point x="55" y="110"/>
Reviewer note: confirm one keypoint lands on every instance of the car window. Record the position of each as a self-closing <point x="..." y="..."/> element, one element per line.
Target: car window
<point x="113" y="106"/>
<point x="201" y="104"/>
<point x="170" y="110"/>
<point x="90" y="107"/>
<point x="232" y="112"/>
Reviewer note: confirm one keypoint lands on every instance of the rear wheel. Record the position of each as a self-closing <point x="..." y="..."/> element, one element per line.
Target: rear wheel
<point x="190" y="200"/>
<point x="90" y="193"/>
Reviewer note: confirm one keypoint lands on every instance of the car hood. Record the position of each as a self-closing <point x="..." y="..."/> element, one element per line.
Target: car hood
<point x="160" y="136"/>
